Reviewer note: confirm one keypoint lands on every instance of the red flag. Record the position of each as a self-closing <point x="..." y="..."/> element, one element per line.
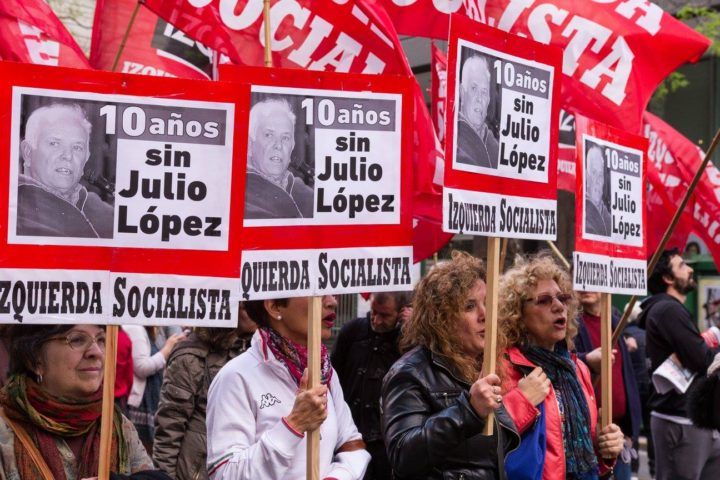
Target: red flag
<point x="438" y="91"/>
<point x="616" y="53"/>
<point x="674" y="161"/>
<point x="30" y="32"/>
<point x="154" y="47"/>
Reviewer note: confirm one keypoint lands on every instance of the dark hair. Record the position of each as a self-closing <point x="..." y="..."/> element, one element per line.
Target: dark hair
<point x="26" y="342"/>
<point x="656" y="281"/>
<point x="257" y="313"/>
<point x="401" y="299"/>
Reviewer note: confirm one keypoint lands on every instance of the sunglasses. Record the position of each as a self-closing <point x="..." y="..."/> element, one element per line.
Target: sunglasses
<point x="546" y="299"/>
<point x="81" y="341"/>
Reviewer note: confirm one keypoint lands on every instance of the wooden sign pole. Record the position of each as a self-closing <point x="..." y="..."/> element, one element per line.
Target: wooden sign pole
<point x="268" y="38"/>
<point x="313" y="348"/>
<point x="108" y="404"/>
<point x="606" y="359"/>
<point x="125" y="37"/>
<point x="491" y="323"/>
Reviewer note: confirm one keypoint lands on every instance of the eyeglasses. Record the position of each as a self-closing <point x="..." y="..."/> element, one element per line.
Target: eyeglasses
<point x="81" y="341"/>
<point x="546" y="299"/>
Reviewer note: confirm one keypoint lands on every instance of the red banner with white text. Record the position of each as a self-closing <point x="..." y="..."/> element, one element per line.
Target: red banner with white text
<point x="616" y="51"/>
<point x="153" y="46"/>
<point x="30" y="32"/>
<point x="676" y="160"/>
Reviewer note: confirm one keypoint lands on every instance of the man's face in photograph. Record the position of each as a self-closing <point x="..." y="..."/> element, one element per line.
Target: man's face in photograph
<point x="595" y="175"/>
<point x="59" y="157"/>
<point x="475" y="92"/>
<point x="274" y="141"/>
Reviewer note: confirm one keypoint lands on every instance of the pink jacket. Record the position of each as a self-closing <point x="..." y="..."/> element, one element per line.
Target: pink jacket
<point x="524" y="413"/>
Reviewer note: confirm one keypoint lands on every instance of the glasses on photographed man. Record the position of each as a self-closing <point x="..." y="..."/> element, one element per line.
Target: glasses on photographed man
<point x="81" y="341"/>
<point x="546" y="299"/>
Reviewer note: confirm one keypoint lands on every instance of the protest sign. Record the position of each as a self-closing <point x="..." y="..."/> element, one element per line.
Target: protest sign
<point x="502" y="134"/>
<point x="116" y="205"/>
<point x="610" y="240"/>
<point x="328" y="184"/>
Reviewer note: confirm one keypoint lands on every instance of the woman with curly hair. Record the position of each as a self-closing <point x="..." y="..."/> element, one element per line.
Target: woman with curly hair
<point x="435" y="402"/>
<point x="537" y="311"/>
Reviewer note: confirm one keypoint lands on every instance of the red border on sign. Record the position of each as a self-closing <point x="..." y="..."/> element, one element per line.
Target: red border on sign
<point x="591" y="128"/>
<point x="462" y="28"/>
<point x="334" y="236"/>
<point x="123" y="259"/>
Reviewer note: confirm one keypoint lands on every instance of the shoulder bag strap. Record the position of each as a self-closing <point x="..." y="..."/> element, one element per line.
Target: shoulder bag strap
<point x="24" y="438"/>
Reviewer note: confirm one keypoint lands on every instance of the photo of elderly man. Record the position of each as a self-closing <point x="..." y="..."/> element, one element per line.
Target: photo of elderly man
<point x="476" y="143"/>
<point x="271" y="191"/>
<point x="51" y="202"/>
<point x="597" y="202"/>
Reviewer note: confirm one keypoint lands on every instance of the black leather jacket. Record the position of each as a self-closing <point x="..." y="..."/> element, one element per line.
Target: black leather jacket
<point x="430" y="429"/>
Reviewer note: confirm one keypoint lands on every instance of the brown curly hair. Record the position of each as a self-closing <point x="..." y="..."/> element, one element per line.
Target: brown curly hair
<point x="515" y="287"/>
<point x="438" y="305"/>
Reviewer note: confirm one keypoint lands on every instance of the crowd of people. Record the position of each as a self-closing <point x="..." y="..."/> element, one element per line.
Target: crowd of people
<point x="401" y="395"/>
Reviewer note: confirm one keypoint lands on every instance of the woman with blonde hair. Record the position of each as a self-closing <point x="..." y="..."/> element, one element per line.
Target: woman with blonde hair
<point x="537" y="311"/>
<point x="435" y="402"/>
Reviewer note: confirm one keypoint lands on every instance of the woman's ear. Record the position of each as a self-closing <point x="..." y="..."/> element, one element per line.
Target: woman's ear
<point x="272" y="309"/>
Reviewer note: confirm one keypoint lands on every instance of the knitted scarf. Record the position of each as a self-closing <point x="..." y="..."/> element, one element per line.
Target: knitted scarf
<point x="294" y="355"/>
<point x="46" y="417"/>
<point x="580" y="459"/>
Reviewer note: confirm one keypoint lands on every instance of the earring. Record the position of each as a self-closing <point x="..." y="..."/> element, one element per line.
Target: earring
<point x="279" y="317"/>
<point x="39" y="378"/>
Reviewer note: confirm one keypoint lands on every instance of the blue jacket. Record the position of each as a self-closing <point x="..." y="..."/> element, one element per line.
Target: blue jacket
<point x="631" y="425"/>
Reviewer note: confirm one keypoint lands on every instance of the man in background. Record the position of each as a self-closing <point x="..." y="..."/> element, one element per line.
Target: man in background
<point x="364" y="351"/>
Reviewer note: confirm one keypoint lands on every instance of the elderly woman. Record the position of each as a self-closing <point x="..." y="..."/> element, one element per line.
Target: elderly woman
<point x="537" y="312"/>
<point x="260" y="406"/>
<point x="52" y="404"/>
<point x="435" y="402"/>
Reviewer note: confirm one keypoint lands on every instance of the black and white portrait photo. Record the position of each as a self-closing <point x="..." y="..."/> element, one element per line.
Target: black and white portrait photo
<point x="61" y="190"/>
<point x="478" y="111"/>
<point x="597" y="192"/>
<point x="279" y="176"/>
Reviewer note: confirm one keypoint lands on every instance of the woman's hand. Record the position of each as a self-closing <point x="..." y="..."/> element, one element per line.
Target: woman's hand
<point x="610" y="441"/>
<point x="170" y="343"/>
<point x="535" y="386"/>
<point x="310" y="408"/>
<point x="485" y="395"/>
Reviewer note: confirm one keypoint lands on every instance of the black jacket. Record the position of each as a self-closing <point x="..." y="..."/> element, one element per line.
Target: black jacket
<point x="431" y="431"/>
<point x="361" y="358"/>
<point x="670" y="329"/>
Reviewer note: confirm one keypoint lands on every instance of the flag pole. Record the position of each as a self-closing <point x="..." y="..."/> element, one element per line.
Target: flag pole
<point x="268" y="39"/>
<point x="125" y="37"/>
<point x="108" y="403"/>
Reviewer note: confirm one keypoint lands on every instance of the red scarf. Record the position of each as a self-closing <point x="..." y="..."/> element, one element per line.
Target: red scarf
<point x="294" y="355"/>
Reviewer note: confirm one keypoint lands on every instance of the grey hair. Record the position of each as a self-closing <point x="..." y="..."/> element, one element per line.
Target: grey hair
<point x="52" y="112"/>
<point x="264" y="108"/>
<point x="464" y="80"/>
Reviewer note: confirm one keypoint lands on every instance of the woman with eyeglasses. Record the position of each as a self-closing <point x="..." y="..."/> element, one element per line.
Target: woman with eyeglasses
<point x="52" y="406"/>
<point x="435" y="401"/>
<point x="537" y="312"/>
<point x="260" y="407"/>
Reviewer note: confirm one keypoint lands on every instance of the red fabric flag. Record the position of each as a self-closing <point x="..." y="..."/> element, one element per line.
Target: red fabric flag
<point x="615" y="52"/>
<point x="438" y="91"/>
<point x="30" y="32"/>
<point x="154" y="47"/>
<point x="675" y="160"/>
<point x="332" y="35"/>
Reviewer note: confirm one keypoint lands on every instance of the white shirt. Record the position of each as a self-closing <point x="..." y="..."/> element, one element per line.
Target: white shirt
<point x="247" y="439"/>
